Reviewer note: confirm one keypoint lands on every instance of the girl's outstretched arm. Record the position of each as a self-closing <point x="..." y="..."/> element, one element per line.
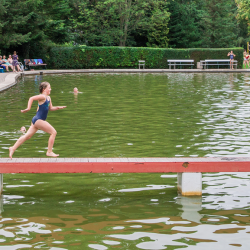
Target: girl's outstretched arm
<point x="33" y="98"/>
<point x="57" y="107"/>
<point x="54" y="108"/>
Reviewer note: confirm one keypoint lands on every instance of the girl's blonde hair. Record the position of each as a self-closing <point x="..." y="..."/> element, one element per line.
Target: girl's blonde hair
<point x="43" y="86"/>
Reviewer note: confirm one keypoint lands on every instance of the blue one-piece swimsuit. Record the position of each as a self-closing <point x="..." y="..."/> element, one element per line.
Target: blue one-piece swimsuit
<point x="42" y="112"/>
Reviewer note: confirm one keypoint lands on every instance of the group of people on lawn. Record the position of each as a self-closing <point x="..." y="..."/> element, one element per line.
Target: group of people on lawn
<point x="11" y="62"/>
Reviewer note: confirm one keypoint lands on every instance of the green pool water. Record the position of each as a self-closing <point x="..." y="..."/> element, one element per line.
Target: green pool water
<point x="134" y="115"/>
<point x="129" y="115"/>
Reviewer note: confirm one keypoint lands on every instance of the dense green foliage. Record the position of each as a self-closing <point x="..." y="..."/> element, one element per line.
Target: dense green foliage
<point x="29" y="26"/>
<point x="80" y="57"/>
<point x="244" y="11"/>
<point x="33" y="27"/>
<point x="118" y="22"/>
<point x="184" y="25"/>
<point x="219" y="23"/>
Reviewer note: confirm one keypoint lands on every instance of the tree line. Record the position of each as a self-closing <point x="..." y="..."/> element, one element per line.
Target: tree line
<point x="31" y="27"/>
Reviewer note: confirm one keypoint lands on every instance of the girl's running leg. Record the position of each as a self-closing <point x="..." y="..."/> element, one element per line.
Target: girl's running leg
<point x="46" y="127"/>
<point x="31" y="131"/>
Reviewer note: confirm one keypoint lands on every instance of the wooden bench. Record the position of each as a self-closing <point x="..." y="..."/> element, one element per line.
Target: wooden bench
<point x="178" y="62"/>
<point x="217" y="62"/>
<point x="28" y="63"/>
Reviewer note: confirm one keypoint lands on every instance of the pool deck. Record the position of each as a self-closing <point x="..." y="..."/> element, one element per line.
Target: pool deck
<point x="7" y="80"/>
<point x="125" y="165"/>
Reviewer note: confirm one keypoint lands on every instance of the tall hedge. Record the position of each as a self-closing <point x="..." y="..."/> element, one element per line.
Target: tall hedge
<point x="83" y="57"/>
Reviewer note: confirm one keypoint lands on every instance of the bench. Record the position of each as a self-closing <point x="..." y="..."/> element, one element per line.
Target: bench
<point x="28" y="63"/>
<point x="141" y="63"/>
<point x="217" y="62"/>
<point x="177" y="62"/>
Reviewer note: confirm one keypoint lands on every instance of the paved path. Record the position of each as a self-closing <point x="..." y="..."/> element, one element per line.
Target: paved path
<point x="9" y="79"/>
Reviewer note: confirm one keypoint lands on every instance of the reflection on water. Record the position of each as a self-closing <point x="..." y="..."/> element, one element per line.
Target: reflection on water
<point x="190" y="208"/>
<point x="87" y="216"/>
<point x="137" y="115"/>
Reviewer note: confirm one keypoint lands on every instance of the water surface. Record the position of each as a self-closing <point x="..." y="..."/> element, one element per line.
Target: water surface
<point x="129" y="115"/>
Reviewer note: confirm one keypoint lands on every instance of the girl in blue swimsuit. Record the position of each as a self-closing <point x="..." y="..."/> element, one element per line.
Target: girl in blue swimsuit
<point x="231" y="57"/>
<point x="39" y="120"/>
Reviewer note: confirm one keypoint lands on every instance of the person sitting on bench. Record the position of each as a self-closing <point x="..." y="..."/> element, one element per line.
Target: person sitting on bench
<point x="6" y="64"/>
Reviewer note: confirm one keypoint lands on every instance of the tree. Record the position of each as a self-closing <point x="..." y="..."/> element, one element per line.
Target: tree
<point x="113" y="22"/>
<point x="157" y="28"/>
<point x="92" y="23"/>
<point x="57" y="14"/>
<point x="219" y="24"/>
<point x="244" y="10"/>
<point x="29" y="24"/>
<point x="184" y="24"/>
<point x="14" y="17"/>
<point x="243" y="17"/>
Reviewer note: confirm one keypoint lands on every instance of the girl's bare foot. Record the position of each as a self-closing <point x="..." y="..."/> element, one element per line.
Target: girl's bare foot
<point x="52" y="154"/>
<point x="11" y="152"/>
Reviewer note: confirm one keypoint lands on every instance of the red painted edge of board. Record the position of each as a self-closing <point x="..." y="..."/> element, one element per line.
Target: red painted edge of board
<point x="123" y="167"/>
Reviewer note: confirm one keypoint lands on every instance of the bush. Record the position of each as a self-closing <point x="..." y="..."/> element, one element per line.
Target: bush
<point x="83" y="57"/>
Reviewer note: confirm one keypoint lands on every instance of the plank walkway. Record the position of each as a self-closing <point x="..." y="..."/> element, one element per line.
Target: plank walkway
<point x="124" y="165"/>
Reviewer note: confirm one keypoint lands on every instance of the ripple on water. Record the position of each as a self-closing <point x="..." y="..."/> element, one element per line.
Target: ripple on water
<point x="158" y="115"/>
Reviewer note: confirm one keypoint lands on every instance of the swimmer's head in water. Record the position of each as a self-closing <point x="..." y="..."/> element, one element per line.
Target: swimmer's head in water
<point x="75" y="89"/>
<point x="43" y="86"/>
<point x="23" y="129"/>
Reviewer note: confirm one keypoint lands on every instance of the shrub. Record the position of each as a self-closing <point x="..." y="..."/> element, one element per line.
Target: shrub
<point x="83" y="57"/>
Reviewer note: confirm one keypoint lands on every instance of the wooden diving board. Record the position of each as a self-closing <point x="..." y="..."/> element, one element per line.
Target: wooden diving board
<point x="125" y="165"/>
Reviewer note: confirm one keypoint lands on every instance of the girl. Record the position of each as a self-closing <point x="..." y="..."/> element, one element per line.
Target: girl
<point x="231" y="57"/>
<point x="246" y="59"/>
<point x="15" y="62"/>
<point x="38" y="121"/>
